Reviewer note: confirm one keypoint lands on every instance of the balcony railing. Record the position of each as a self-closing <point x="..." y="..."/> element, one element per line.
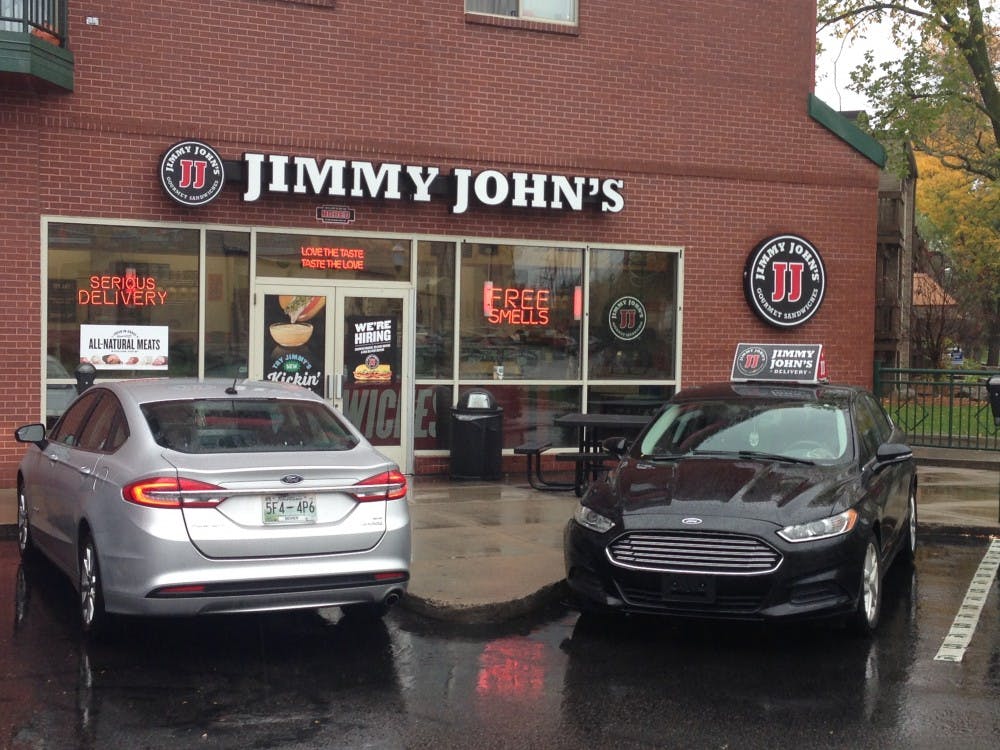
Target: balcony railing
<point x="45" y="19"/>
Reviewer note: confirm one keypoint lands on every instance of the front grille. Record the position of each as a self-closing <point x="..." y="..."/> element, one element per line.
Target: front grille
<point x="721" y="554"/>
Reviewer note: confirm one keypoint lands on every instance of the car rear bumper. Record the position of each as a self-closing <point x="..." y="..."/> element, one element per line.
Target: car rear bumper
<point x="172" y="579"/>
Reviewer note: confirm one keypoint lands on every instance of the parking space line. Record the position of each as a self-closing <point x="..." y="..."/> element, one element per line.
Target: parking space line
<point x="964" y="625"/>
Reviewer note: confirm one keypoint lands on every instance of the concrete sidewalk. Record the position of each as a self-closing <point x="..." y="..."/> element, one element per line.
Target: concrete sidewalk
<point x="489" y="550"/>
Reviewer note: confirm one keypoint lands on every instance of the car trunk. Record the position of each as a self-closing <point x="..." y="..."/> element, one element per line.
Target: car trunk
<point x="280" y="507"/>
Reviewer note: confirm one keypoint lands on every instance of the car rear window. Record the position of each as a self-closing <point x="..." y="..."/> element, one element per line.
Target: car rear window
<point x="235" y="425"/>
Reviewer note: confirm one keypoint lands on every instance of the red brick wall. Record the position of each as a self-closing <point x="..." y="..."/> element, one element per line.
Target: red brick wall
<point x="20" y="303"/>
<point x="699" y="107"/>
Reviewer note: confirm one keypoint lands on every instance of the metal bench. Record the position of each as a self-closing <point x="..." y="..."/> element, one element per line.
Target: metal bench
<point x="533" y="453"/>
<point x="587" y="462"/>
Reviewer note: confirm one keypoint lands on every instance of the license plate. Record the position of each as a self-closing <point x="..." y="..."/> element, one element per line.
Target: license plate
<point x="290" y="509"/>
<point x="679" y="587"/>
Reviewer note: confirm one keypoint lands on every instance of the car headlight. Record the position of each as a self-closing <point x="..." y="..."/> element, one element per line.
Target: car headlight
<point x="591" y="519"/>
<point x="821" y="529"/>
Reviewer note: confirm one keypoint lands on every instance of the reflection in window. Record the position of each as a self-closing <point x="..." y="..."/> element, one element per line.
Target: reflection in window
<point x="521" y="314"/>
<point x="123" y="276"/>
<point x="633" y="298"/>
<point x="227" y="303"/>
<point x="435" y="309"/>
<point x="547" y="10"/>
<point x="529" y="412"/>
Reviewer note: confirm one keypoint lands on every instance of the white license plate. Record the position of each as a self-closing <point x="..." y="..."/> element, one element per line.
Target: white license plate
<point x="290" y="509"/>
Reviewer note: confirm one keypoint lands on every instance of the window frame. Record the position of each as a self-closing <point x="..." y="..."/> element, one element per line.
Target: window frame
<point x="520" y="16"/>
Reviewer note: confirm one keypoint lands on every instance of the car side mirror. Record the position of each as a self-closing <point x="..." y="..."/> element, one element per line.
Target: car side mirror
<point x="892" y="453"/>
<point x="617" y="446"/>
<point x="31" y="433"/>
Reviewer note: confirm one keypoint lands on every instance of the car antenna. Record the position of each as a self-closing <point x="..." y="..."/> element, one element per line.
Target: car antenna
<point x="231" y="390"/>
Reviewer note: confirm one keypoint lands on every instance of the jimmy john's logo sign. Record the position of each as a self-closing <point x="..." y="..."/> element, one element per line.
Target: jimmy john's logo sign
<point x="798" y="363"/>
<point x="627" y="318"/>
<point x="784" y="280"/>
<point x="192" y="174"/>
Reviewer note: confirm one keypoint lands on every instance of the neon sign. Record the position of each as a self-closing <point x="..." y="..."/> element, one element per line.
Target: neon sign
<point x="522" y="307"/>
<point x="129" y="290"/>
<point x="336" y="258"/>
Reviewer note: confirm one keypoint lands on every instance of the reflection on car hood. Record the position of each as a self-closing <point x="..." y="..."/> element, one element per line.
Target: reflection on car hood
<point x="774" y="491"/>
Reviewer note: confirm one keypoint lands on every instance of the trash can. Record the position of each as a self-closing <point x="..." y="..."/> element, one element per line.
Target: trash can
<point x="476" y="436"/>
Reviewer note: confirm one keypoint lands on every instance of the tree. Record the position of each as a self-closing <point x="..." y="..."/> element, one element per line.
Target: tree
<point x="943" y="83"/>
<point x="959" y="219"/>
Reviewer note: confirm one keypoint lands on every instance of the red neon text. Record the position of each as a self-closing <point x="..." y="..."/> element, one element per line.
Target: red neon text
<point x="523" y="307"/>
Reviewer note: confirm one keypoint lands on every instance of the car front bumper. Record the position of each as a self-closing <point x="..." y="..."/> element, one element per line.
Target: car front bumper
<point x="812" y="580"/>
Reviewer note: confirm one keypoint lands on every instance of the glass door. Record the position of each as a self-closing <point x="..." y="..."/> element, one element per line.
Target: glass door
<point x="350" y="345"/>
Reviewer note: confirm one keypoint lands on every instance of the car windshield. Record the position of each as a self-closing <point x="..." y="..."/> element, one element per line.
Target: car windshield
<point x="246" y="425"/>
<point x="796" y="430"/>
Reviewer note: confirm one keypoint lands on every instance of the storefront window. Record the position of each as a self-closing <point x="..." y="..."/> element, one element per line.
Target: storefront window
<point x="227" y="303"/>
<point x="529" y="412"/>
<point x="435" y="309"/>
<point x="521" y="314"/>
<point x="123" y="298"/>
<point x="627" y="399"/>
<point x="633" y="299"/>
<point x="332" y="257"/>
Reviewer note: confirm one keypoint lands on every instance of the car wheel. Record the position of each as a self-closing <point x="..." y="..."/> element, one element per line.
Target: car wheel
<point x="910" y="550"/>
<point x="866" y="615"/>
<point x="25" y="545"/>
<point x="93" y="618"/>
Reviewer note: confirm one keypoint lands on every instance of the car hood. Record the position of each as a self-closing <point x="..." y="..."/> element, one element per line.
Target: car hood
<point x="773" y="491"/>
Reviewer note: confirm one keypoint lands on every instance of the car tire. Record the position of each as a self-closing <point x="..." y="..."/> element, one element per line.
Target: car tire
<point x="865" y="618"/>
<point x="94" y="619"/>
<point x="25" y="543"/>
<point x="909" y="547"/>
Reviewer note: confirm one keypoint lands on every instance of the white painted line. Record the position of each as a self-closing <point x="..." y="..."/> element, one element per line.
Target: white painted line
<point x="964" y="625"/>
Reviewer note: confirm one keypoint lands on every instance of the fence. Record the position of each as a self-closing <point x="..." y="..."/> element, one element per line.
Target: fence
<point x="939" y="408"/>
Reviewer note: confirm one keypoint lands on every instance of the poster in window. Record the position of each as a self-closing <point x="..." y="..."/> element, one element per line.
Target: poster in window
<point x="295" y="339"/>
<point x="124" y="347"/>
<point x="372" y="348"/>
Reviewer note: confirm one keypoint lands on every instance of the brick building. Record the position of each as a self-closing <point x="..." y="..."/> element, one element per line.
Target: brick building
<point x="395" y="202"/>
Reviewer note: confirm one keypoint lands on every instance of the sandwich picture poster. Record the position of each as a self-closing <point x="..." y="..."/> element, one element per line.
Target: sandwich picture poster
<point x="371" y="349"/>
<point x="295" y="340"/>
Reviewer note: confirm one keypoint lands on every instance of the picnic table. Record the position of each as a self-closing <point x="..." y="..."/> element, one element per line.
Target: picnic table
<point x="591" y="457"/>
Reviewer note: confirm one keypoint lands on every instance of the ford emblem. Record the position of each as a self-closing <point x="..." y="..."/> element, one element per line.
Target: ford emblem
<point x="690" y="521"/>
<point x="293" y="479"/>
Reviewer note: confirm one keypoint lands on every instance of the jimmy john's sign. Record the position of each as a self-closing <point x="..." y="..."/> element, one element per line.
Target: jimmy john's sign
<point x="796" y="363"/>
<point x="192" y="174"/>
<point x="784" y="280"/>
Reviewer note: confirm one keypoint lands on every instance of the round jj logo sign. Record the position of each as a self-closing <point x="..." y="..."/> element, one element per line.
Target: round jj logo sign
<point x="192" y="173"/>
<point x="784" y="280"/>
<point x="627" y="318"/>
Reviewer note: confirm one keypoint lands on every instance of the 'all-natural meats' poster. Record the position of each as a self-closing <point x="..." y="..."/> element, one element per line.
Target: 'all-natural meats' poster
<point x="115" y="347"/>
<point x="295" y="339"/>
<point x="372" y="349"/>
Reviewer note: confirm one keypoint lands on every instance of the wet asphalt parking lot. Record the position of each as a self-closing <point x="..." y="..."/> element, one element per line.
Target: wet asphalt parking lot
<point x="555" y="679"/>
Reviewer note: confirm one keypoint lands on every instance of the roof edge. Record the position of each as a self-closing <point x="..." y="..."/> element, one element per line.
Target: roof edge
<point x="846" y="130"/>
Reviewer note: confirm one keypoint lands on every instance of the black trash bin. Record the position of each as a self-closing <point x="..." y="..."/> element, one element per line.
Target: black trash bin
<point x="476" y="436"/>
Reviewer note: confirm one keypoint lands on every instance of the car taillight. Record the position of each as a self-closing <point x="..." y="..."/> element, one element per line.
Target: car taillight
<point x="389" y="485"/>
<point x="173" y="492"/>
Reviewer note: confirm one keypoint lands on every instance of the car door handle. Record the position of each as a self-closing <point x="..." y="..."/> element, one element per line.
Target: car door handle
<point x="85" y="470"/>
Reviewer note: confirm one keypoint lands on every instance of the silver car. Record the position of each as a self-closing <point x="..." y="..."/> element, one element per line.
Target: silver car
<point x="186" y="497"/>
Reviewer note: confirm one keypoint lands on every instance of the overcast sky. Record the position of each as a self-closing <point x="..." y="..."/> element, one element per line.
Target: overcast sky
<point x="834" y="66"/>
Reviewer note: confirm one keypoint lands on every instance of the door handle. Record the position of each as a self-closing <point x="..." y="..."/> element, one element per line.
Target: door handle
<point x="338" y="382"/>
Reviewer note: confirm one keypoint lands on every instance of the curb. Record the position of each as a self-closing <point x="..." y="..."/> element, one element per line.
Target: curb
<point x="486" y="614"/>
